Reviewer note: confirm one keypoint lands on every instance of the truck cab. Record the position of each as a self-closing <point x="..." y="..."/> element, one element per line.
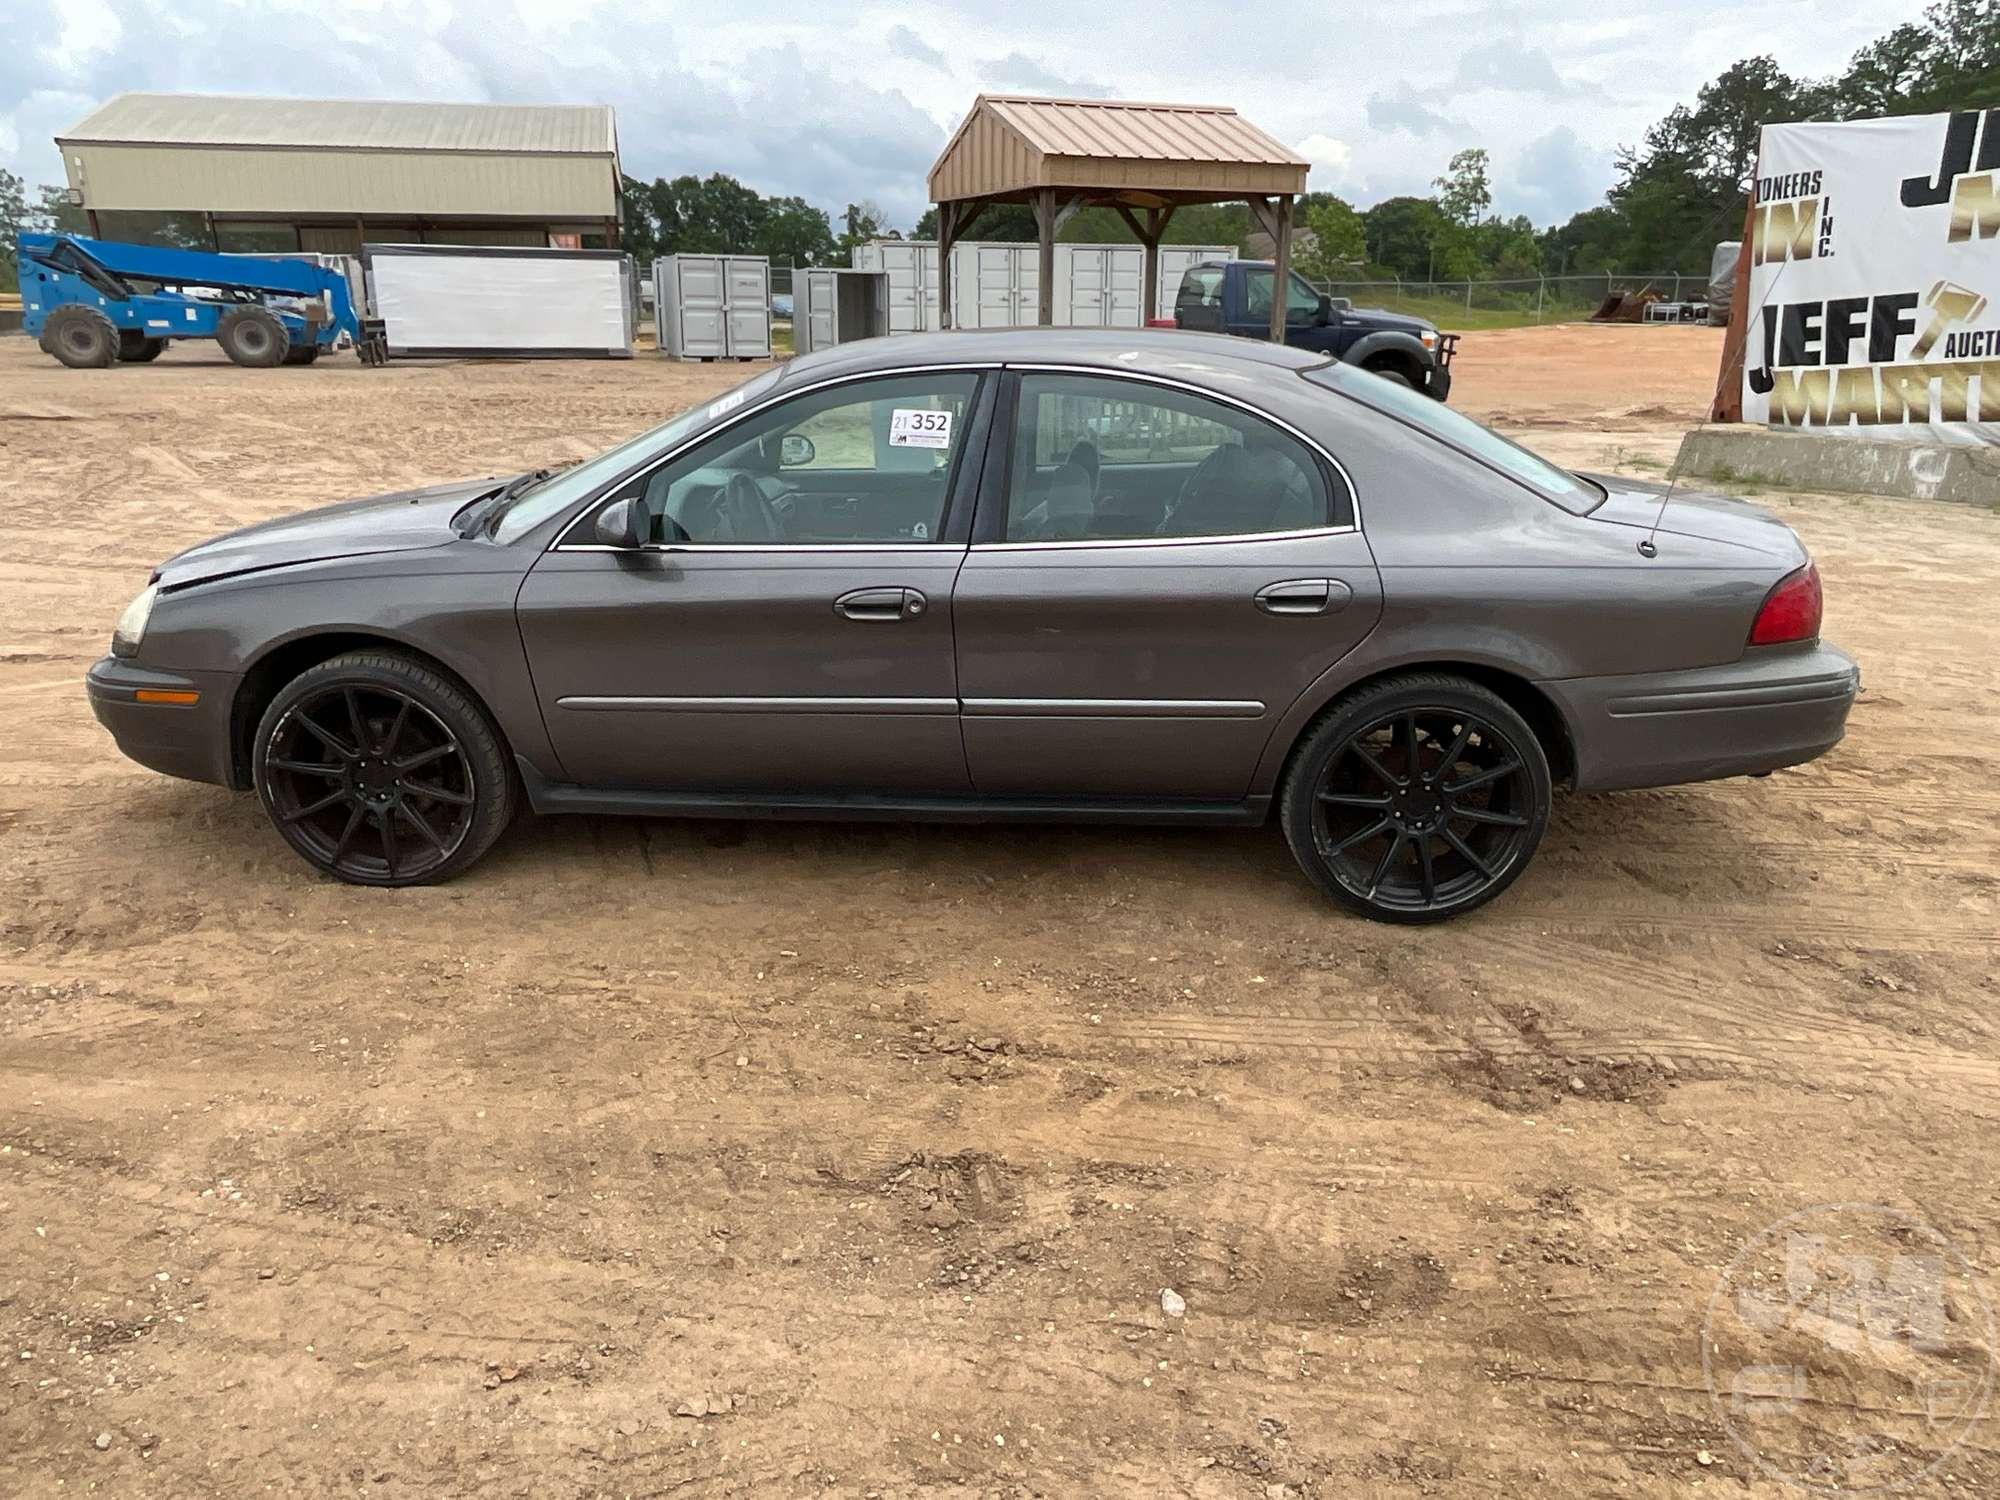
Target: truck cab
<point x="1234" y="296"/>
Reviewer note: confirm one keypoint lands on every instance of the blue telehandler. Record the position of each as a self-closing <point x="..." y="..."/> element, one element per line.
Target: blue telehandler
<point x="93" y="302"/>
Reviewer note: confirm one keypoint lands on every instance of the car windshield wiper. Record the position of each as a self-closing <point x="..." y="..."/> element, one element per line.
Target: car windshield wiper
<point x="479" y="515"/>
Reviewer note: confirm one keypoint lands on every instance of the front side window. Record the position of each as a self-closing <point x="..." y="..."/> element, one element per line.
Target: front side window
<point x="865" y="462"/>
<point x="1301" y="301"/>
<point x="1096" y="457"/>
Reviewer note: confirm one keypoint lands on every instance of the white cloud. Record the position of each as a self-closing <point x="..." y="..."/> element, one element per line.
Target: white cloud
<point x="852" y="99"/>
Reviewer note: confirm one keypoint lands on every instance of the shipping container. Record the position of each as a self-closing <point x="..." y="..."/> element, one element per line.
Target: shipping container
<point x="996" y="283"/>
<point x="833" y="306"/>
<point x="713" y="306"/>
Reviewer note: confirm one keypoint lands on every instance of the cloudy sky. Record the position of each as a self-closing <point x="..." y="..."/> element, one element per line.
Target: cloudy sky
<point x="840" y="102"/>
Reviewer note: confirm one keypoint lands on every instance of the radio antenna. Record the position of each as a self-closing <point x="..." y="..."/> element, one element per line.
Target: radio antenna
<point x="1649" y="543"/>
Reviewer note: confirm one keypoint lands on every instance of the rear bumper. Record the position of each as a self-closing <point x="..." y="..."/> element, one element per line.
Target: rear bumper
<point x="1779" y="706"/>
<point x="177" y="738"/>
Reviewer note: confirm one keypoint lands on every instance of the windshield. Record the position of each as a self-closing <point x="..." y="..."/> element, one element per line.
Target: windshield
<point x="538" y="504"/>
<point x="1575" y="495"/>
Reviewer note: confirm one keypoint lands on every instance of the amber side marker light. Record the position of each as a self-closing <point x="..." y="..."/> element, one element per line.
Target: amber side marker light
<point x="166" y="695"/>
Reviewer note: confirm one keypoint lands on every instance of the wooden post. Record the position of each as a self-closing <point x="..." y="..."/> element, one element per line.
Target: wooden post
<point x="1281" y="271"/>
<point x="947" y="223"/>
<point x="1728" y="403"/>
<point x="1045" y="229"/>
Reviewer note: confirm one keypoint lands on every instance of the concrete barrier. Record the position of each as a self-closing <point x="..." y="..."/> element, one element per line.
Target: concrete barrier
<point x="1790" y="460"/>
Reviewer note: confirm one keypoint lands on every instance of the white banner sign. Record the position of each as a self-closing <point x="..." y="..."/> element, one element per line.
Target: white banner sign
<point x="1875" y="278"/>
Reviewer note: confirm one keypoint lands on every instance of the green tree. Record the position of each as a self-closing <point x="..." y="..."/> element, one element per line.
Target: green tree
<point x="1403" y="234"/>
<point x="860" y="223"/>
<point x="1465" y="192"/>
<point x="14" y="219"/>
<point x="55" y="214"/>
<point x="794" y="233"/>
<point x="1339" y="244"/>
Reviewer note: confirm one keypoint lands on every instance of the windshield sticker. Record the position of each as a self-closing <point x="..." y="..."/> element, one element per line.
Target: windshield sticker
<point x="727" y="404"/>
<point x="919" y="427"/>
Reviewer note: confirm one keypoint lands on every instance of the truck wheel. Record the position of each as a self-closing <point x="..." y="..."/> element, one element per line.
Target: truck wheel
<point x="135" y="348"/>
<point x="302" y="354"/>
<point x="81" y="337"/>
<point x="253" y="336"/>
<point x="1397" y="376"/>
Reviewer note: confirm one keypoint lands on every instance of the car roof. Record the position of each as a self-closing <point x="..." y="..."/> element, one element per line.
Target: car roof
<point x="1184" y="354"/>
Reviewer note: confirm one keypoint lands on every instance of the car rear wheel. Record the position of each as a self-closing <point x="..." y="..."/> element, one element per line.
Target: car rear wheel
<point x="380" y="770"/>
<point x="1417" y="799"/>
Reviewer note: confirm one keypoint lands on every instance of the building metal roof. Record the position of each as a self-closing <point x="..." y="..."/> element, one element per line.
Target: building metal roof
<point x="1009" y="143"/>
<point x="347" y="124"/>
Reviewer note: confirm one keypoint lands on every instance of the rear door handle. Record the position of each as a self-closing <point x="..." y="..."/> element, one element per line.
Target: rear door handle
<point x="1304" y="596"/>
<point x="881" y="604"/>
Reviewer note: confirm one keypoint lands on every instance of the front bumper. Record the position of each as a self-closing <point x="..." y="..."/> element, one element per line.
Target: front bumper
<point x="176" y="737"/>
<point x="1779" y="706"/>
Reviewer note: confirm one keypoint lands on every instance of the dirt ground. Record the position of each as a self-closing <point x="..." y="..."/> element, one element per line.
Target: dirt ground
<point x="683" y="1158"/>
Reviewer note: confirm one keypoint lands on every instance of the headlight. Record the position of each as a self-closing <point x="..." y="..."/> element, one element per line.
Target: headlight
<point x="1430" y="338"/>
<point x="131" y="626"/>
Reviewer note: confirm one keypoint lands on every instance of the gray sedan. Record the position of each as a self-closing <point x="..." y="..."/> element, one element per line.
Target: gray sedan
<point x="1036" y="574"/>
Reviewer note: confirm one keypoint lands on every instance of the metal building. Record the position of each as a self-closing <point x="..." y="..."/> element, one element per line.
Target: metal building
<point x="243" y="174"/>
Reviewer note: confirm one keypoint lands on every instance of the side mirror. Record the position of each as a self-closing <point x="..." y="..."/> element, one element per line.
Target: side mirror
<point x="1325" y="315"/>
<point x="796" y="450"/>
<point x="623" y="524"/>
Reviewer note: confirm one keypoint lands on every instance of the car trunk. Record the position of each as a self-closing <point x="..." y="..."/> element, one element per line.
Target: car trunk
<point x="1637" y="503"/>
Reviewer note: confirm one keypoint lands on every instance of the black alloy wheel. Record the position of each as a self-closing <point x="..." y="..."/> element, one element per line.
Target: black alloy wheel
<point x="1418" y="800"/>
<point x="380" y="771"/>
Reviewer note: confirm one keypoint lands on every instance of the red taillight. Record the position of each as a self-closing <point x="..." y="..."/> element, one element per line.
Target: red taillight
<point x="1162" y="323"/>
<point x="1791" y="610"/>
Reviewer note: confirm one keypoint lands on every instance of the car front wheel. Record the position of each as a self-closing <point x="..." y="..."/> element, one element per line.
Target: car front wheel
<point x="380" y="770"/>
<point x="1417" y="799"/>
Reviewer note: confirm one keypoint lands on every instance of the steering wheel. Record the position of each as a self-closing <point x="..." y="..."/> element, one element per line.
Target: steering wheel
<point x="750" y="515"/>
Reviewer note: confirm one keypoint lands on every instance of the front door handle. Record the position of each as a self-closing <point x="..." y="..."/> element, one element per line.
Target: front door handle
<point x="1304" y="596"/>
<point x="881" y="604"/>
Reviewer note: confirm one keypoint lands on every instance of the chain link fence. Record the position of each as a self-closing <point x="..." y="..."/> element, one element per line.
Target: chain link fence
<point x="1536" y="299"/>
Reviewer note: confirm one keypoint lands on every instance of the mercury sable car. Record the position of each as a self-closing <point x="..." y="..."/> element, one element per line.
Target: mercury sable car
<point x="1034" y="574"/>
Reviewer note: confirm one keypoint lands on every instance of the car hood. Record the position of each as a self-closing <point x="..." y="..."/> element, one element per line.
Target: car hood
<point x="402" y="522"/>
<point x="1381" y="318"/>
<point x="1716" y="518"/>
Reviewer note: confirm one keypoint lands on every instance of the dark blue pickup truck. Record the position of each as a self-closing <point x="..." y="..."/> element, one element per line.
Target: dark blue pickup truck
<point x="1234" y="296"/>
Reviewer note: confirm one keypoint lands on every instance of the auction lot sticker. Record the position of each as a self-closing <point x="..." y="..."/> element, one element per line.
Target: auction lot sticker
<point x="1849" y="1350"/>
<point x="919" y="427"/>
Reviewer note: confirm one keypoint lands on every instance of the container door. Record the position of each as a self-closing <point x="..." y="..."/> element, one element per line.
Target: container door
<point x="700" y="306"/>
<point x="1084" y="306"/>
<point x="994" y="278"/>
<point x="749" y="308"/>
<point x="1124" y="275"/>
<point x="819" y="314"/>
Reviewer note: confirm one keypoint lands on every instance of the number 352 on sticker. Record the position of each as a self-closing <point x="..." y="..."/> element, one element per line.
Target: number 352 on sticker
<point x="919" y="427"/>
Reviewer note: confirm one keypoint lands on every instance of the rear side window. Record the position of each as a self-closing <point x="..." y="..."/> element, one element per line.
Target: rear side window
<point x="1456" y="430"/>
<point x="1202" y="287"/>
<point x="1100" y="458"/>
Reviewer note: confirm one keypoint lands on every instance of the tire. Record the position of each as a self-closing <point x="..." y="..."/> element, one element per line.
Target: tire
<point x="135" y="348"/>
<point x="302" y="354"/>
<point x="1398" y="848"/>
<point x="253" y="336"/>
<point x="378" y="769"/>
<point x="1385" y="372"/>
<point x="81" y="337"/>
